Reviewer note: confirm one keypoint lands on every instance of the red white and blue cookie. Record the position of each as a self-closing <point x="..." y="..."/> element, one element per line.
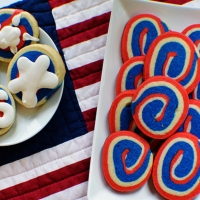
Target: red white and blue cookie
<point x="192" y="121"/>
<point x="174" y="55"/>
<point x="120" y="114"/>
<point x="176" y="167"/>
<point x="34" y="74"/>
<point x="130" y="75"/>
<point x="160" y="105"/>
<point x="126" y="161"/>
<point x="193" y="32"/>
<point x="18" y="29"/>
<point x="7" y="110"/>
<point x="139" y="32"/>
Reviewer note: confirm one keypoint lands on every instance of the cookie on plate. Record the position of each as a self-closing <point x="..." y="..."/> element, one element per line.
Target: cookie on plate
<point x="34" y="74"/>
<point x="18" y="29"/>
<point x="7" y="110"/>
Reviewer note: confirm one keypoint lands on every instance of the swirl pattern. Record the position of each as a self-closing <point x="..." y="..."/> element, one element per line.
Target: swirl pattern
<point x="126" y="161"/>
<point x="120" y="114"/>
<point x="191" y="123"/>
<point x="139" y="33"/>
<point x="174" y="55"/>
<point x="176" y="172"/>
<point x="159" y="106"/>
<point x="130" y="75"/>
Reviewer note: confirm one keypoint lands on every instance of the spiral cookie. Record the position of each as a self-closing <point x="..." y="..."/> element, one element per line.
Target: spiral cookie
<point x="195" y="94"/>
<point x="7" y="110"/>
<point x="130" y="75"/>
<point x="192" y="121"/>
<point x="193" y="32"/>
<point x="174" y="55"/>
<point x="139" y="33"/>
<point x="18" y="29"/>
<point x="159" y="106"/>
<point x="176" y="173"/>
<point x="120" y="114"/>
<point x="34" y="74"/>
<point x="126" y="161"/>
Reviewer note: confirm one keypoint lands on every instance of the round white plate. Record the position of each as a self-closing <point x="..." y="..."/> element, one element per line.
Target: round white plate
<point x="30" y="121"/>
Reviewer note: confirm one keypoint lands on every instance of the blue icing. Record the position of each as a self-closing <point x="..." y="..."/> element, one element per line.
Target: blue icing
<point x="125" y="118"/>
<point x="151" y="35"/>
<point x="150" y="110"/>
<point x="182" y="170"/>
<point x="132" y="73"/>
<point x="33" y="55"/>
<point x="131" y="158"/>
<point x="4" y="17"/>
<point x="8" y="100"/>
<point x="195" y="125"/>
<point x="177" y="62"/>
<point x="24" y="22"/>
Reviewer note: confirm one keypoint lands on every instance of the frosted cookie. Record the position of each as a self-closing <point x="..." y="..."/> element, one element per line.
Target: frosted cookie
<point x="139" y="32"/>
<point x="176" y="171"/>
<point x="34" y="74"/>
<point x="18" y="29"/>
<point x="120" y="114"/>
<point x="126" y="161"/>
<point x="7" y="110"/>
<point x="193" y="32"/>
<point x="195" y="94"/>
<point x="130" y="75"/>
<point x="160" y="105"/>
<point x="192" y="121"/>
<point x="174" y="55"/>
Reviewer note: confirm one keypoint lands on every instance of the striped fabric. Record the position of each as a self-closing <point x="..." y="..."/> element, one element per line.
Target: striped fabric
<point x="54" y="164"/>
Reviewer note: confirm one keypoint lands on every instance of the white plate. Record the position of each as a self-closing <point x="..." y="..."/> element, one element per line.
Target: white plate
<point x="30" y="121"/>
<point x="177" y="17"/>
<point x="193" y="4"/>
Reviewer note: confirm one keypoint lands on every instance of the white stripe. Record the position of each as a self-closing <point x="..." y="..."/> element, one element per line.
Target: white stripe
<point x="89" y="103"/>
<point x="87" y="92"/>
<point x="74" y="7"/>
<point x="46" y="161"/>
<point x="75" y="192"/>
<point x="85" y="47"/>
<point x="86" y="58"/>
<point x="83" y="15"/>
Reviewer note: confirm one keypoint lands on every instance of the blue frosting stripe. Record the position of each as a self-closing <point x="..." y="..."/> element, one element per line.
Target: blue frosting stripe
<point x="134" y="152"/>
<point x="125" y="118"/>
<point x="67" y="122"/>
<point x="182" y="170"/>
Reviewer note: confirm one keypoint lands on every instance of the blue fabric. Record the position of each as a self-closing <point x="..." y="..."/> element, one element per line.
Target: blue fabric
<point x="67" y="123"/>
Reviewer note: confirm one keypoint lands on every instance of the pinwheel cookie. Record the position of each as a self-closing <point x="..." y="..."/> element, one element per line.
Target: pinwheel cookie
<point x="7" y="110"/>
<point x="34" y="74"/>
<point x="17" y="30"/>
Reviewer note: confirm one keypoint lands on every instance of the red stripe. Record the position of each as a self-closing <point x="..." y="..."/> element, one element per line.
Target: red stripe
<point x="83" y="26"/>
<point x="87" y="35"/>
<point x="49" y="183"/>
<point x="180" y="2"/>
<point x="56" y="3"/>
<point x="85" y="70"/>
<point x="89" y="117"/>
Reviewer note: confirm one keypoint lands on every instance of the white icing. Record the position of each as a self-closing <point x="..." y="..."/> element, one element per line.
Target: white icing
<point x="16" y="20"/>
<point x="33" y="76"/>
<point x="8" y="111"/>
<point x="27" y="36"/>
<point x="9" y="37"/>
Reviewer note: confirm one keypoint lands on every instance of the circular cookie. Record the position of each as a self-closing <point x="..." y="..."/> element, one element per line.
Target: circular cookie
<point x="160" y="105"/>
<point x="174" y="55"/>
<point x="130" y="75"/>
<point x="139" y="32"/>
<point x="126" y="161"/>
<point x="7" y="110"/>
<point x="176" y="167"/>
<point x="34" y="74"/>
<point x="18" y="29"/>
